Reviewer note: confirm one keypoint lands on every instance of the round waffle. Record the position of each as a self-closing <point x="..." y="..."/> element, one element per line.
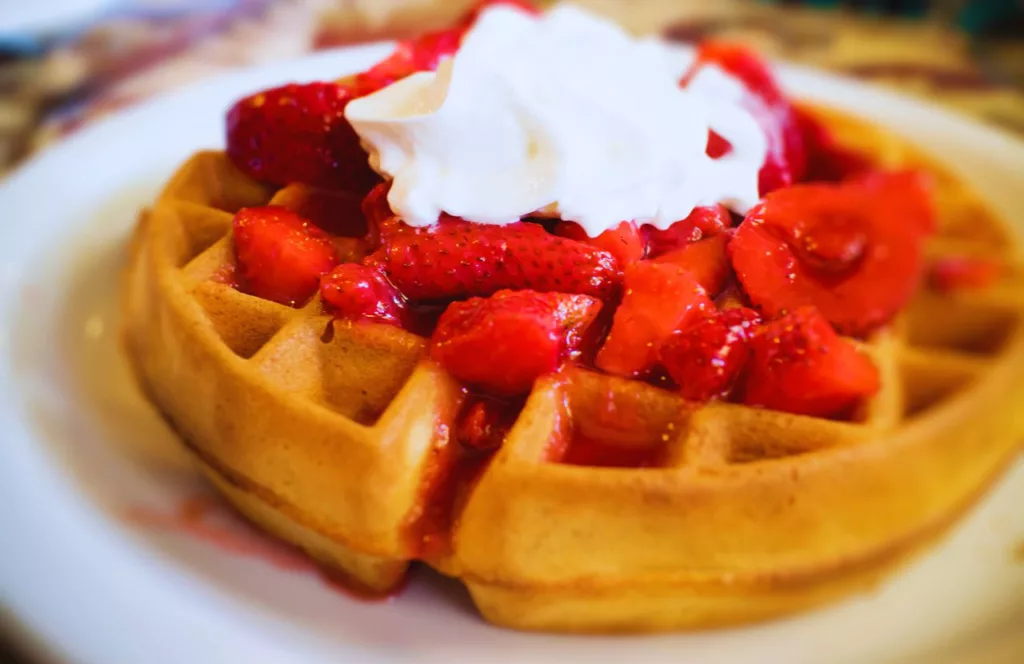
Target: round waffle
<point x="335" y="436"/>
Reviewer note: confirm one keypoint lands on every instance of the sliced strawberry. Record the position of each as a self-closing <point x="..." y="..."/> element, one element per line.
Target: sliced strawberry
<point x="298" y="133"/>
<point x="423" y="53"/>
<point x="706" y="358"/>
<point x="827" y="159"/>
<point x="799" y="365"/>
<point x="358" y="292"/>
<point x="337" y="212"/>
<point x="485" y="421"/>
<point x="501" y="344"/>
<point x="458" y="259"/>
<point x="959" y="273"/>
<point x="624" y="242"/>
<point x="658" y="299"/>
<point x="908" y="195"/>
<point x="786" y="160"/>
<point x="280" y="255"/>
<point x="853" y="250"/>
<point x="706" y="260"/>
<point x="701" y="223"/>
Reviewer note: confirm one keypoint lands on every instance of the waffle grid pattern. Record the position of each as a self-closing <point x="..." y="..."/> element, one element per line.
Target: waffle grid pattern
<point x="328" y="434"/>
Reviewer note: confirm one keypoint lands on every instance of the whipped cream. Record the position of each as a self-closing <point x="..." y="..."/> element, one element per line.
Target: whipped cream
<point x="563" y="114"/>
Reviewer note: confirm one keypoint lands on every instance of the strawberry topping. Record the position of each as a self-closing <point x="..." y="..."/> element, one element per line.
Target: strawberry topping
<point x="799" y="364"/>
<point x="281" y="256"/>
<point x="958" y="273"/>
<point x="706" y="358"/>
<point x="658" y="299"/>
<point x="706" y="260"/>
<point x="357" y="292"/>
<point x="827" y="159"/>
<point x="853" y="250"/>
<point x="457" y="259"/>
<point x="501" y="344"/>
<point x="485" y="421"/>
<point x="701" y="223"/>
<point x="624" y="242"/>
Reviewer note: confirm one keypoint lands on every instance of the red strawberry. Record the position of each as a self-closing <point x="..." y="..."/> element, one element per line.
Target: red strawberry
<point x="706" y="358"/>
<point x="298" y="133"/>
<point x="501" y="344"/>
<point x="799" y="365"/>
<point x="337" y="212"/>
<point x="357" y="292"/>
<point x="827" y="159"/>
<point x="908" y="195"/>
<point x="457" y="259"/>
<point x="659" y="298"/>
<point x="786" y="160"/>
<point x="706" y="260"/>
<point x="957" y="273"/>
<point x="624" y="242"/>
<point x="423" y="53"/>
<point x="280" y="255"/>
<point x="854" y="251"/>
<point x="701" y="223"/>
<point x="485" y="421"/>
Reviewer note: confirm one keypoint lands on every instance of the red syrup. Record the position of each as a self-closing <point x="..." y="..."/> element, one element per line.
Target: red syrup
<point x="210" y="520"/>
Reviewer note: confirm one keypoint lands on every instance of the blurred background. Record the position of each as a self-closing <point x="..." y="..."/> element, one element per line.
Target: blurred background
<point x="66" y="63"/>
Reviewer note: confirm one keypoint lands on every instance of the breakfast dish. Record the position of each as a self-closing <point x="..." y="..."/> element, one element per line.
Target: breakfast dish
<point x="623" y="349"/>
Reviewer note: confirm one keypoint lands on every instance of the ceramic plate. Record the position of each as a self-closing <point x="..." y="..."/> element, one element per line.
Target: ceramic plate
<point x="114" y="551"/>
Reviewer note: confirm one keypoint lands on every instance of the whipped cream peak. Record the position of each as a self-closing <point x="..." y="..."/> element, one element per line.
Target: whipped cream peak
<point x="564" y="115"/>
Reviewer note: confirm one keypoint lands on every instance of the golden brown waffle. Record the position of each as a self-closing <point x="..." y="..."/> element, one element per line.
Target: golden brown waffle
<point x="336" y="437"/>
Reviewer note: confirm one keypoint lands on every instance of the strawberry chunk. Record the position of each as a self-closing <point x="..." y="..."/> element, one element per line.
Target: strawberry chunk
<point x="706" y="260"/>
<point x="799" y="365"/>
<point x="423" y="53"/>
<point x="281" y="256"/>
<point x="786" y="160"/>
<point x="501" y="344"/>
<point x="852" y="250"/>
<point x="658" y="299"/>
<point x="358" y="292"/>
<point x="337" y="212"/>
<point x="458" y="259"/>
<point x="624" y="242"/>
<point x="485" y="421"/>
<point x="298" y="133"/>
<point x="701" y="223"/>
<point x="959" y="273"/>
<point x="827" y="159"/>
<point x="706" y="358"/>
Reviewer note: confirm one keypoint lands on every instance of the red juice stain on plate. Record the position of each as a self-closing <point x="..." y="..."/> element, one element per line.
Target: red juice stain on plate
<point x="210" y="520"/>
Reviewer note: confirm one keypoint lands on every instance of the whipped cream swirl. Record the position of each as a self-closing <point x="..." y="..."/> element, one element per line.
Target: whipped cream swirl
<point x="561" y="114"/>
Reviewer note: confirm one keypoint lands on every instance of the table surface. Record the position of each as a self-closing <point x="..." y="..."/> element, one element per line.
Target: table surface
<point x="131" y="54"/>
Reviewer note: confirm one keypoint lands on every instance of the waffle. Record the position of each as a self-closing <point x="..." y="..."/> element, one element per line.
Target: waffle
<point x="335" y="436"/>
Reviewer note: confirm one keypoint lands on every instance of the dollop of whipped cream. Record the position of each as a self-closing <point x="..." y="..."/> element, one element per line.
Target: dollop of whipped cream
<point x="562" y="114"/>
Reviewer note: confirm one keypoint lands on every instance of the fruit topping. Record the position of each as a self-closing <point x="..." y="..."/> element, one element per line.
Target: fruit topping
<point x="827" y="159"/>
<point x="852" y="250"/>
<point x="298" y="133"/>
<point x="958" y="273"/>
<point x="457" y="259"/>
<point x="281" y="256"/>
<point x="624" y="242"/>
<point x="501" y="344"/>
<point x="785" y="162"/>
<point x="658" y="299"/>
<point x="707" y="357"/>
<point x="423" y="53"/>
<point x="358" y="292"/>
<point x="707" y="260"/>
<point x="485" y="421"/>
<point x="701" y="223"/>
<point x="799" y="364"/>
<point x="337" y="212"/>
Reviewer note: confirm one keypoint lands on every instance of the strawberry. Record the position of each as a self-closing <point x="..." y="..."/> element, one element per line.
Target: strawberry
<point x="786" y="160"/>
<point x="908" y="195"/>
<point x="298" y="133"/>
<point x="827" y="159"/>
<point x="957" y="273"/>
<point x="799" y="365"/>
<point x="706" y="358"/>
<point x="501" y="344"/>
<point x="423" y="53"/>
<point x="706" y="260"/>
<point x="658" y="299"/>
<point x="701" y="223"/>
<point x="457" y="259"/>
<point x="485" y="421"/>
<point x="337" y="212"/>
<point x="624" y="242"/>
<point x="358" y="292"/>
<point x="280" y="255"/>
<point x="852" y="250"/>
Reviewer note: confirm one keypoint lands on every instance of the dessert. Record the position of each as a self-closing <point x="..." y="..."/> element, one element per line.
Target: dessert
<point x="632" y="350"/>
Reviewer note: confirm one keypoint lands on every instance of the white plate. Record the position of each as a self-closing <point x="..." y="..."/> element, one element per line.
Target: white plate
<point x="42" y="17"/>
<point x="82" y="453"/>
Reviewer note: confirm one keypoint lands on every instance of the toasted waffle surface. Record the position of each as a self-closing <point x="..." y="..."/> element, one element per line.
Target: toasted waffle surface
<point x="336" y="436"/>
